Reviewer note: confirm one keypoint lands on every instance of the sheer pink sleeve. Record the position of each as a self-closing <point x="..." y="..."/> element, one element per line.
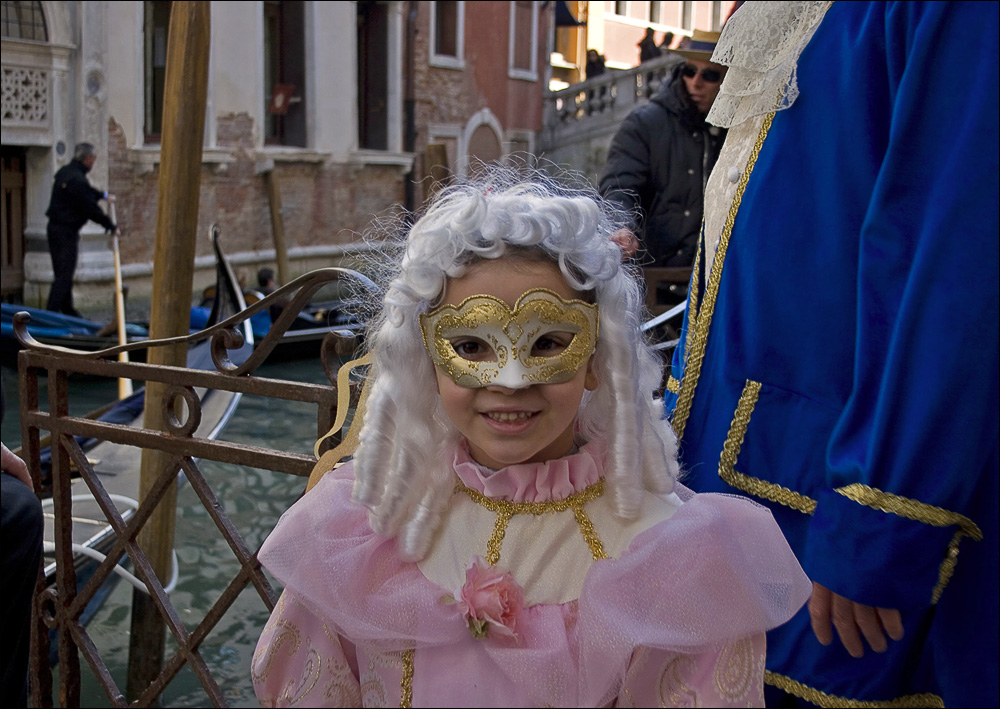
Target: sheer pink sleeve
<point x="301" y="661"/>
<point x="727" y="677"/>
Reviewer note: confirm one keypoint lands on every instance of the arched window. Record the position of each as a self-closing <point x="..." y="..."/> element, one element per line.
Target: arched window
<point x="22" y="20"/>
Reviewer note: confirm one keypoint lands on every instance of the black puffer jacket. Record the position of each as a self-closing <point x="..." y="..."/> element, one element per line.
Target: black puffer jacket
<point x="658" y="164"/>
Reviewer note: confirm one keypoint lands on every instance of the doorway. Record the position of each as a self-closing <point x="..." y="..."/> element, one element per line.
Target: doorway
<point x="12" y="177"/>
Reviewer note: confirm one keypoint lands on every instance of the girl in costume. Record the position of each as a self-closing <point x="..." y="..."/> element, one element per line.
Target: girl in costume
<point x="510" y="531"/>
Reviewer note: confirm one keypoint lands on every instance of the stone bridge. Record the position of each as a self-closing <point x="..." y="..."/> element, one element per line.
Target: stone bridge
<point x="580" y="120"/>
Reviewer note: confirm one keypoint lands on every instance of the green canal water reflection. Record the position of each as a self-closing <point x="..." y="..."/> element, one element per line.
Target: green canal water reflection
<point x="253" y="498"/>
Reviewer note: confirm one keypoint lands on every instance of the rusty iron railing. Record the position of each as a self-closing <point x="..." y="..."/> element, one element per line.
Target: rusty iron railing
<point x="59" y="607"/>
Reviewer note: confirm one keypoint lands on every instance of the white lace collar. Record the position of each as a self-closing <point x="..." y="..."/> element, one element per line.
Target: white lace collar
<point x="761" y="45"/>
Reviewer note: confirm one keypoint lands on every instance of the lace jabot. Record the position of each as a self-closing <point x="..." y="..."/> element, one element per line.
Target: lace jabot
<point x="761" y="45"/>
<point x="533" y="482"/>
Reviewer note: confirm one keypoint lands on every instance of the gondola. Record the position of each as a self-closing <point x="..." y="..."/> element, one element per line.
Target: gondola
<point x="118" y="465"/>
<point x="301" y="339"/>
<point x="63" y="330"/>
<point x="303" y="336"/>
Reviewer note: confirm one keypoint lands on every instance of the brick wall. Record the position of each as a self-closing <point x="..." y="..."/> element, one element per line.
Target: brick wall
<point x="323" y="203"/>
<point x="451" y="97"/>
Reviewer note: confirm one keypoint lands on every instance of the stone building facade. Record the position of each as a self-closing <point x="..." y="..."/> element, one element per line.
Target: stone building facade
<point x="365" y="87"/>
<point x="614" y="29"/>
<point x="485" y="100"/>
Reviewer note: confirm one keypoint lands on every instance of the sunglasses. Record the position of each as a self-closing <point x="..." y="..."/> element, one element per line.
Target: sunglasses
<point x="712" y="76"/>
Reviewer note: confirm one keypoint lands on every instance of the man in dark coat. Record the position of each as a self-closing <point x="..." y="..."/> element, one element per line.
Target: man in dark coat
<point x="73" y="204"/>
<point x="661" y="156"/>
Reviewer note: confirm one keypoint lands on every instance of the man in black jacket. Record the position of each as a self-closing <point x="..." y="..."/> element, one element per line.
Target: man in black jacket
<point x="73" y="203"/>
<point x="662" y="154"/>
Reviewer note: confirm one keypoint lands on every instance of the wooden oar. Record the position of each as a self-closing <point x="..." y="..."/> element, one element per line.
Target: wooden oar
<point x="124" y="385"/>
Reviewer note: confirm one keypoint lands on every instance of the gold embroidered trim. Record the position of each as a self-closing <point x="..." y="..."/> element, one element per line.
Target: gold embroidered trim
<point x="289" y="634"/>
<point x="406" y="683"/>
<point x="731" y="451"/>
<point x="771" y="491"/>
<point x="823" y="699"/>
<point x="862" y="494"/>
<point x="589" y="533"/>
<point x="673" y="683"/>
<point x="692" y="314"/>
<point x="673" y="384"/>
<point x="736" y="670"/>
<point x="505" y="509"/>
<point x="313" y="668"/>
<point x="589" y="493"/>
<point x="496" y="539"/>
<point x="919" y="512"/>
<point x="696" y="352"/>
<point x="947" y="568"/>
<point x="909" y="508"/>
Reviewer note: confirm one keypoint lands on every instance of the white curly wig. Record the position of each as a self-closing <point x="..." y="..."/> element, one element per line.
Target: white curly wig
<point x="403" y="474"/>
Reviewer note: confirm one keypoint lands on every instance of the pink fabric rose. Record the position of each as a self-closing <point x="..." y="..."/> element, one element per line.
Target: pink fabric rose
<point x="490" y="599"/>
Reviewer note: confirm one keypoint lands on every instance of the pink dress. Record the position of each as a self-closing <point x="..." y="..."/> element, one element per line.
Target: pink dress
<point x="668" y="609"/>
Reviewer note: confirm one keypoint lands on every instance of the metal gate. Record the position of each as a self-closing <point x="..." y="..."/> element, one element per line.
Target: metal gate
<point x="59" y="607"/>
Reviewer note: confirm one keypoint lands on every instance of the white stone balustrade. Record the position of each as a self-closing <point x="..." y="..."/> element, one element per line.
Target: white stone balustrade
<point x="580" y="120"/>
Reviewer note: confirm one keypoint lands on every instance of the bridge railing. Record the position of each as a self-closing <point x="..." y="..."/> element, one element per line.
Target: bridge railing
<point x="599" y="104"/>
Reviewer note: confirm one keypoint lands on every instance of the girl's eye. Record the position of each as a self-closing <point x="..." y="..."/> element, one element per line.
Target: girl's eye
<point x="551" y="344"/>
<point x="473" y="350"/>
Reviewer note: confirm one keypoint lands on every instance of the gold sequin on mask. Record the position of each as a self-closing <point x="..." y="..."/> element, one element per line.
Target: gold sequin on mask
<point x="512" y="336"/>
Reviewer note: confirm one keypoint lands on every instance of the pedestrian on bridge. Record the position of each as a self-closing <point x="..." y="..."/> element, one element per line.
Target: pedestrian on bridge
<point x="662" y="154"/>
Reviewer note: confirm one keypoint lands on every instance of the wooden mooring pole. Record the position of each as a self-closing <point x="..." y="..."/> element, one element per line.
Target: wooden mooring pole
<point x="436" y="168"/>
<point x="277" y="226"/>
<point x="124" y="385"/>
<point x="185" y="94"/>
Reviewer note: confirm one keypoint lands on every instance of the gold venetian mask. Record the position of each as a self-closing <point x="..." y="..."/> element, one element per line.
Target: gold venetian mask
<point x="482" y="342"/>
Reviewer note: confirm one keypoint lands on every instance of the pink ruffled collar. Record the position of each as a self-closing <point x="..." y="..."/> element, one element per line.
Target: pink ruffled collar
<point x="533" y="482"/>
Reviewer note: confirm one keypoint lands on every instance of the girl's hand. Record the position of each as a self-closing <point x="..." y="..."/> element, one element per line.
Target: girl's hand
<point x="852" y="620"/>
<point x="626" y="241"/>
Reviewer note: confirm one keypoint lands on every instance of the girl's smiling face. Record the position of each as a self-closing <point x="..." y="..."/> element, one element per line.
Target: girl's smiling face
<point x="508" y="426"/>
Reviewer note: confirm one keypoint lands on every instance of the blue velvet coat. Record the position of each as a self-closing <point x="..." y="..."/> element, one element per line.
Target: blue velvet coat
<point x="848" y="353"/>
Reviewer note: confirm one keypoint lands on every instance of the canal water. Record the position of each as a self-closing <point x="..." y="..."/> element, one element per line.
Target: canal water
<point x="254" y="499"/>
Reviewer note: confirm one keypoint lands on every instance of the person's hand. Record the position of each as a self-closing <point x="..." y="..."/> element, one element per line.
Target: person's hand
<point x="626" y="241"/>
<point x="852" y="621"/>
<point x="13" y="465"/>
<point x="110" y="197"/>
